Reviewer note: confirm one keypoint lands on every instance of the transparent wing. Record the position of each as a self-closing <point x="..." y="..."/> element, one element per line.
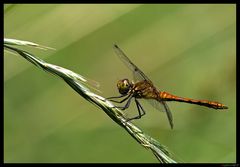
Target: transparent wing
<point x="88" y="82"/>
<point x="138" y="75"/>
<point x="162" y="106"/>
<point x="169" y="114"/>
<point x="92" y="84"/>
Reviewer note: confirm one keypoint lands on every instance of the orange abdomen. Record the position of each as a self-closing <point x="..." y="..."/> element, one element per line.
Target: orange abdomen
<point x="164" y="96"/>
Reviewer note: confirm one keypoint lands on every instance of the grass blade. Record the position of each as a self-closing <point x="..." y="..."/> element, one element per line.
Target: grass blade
<point x="78" y="83"/>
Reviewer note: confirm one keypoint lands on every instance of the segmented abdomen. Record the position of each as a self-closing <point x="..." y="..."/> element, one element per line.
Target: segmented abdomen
<point x="211" y="104"/>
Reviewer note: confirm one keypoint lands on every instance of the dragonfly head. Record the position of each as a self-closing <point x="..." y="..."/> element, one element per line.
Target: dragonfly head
<point x="124" y="86"/>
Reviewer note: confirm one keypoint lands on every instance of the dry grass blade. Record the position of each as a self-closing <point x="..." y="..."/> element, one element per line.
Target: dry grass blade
<point x="8" y="41"/>
<point x="72" y="79"/>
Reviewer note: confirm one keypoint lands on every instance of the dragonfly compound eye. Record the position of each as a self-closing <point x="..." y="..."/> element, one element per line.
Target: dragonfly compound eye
<point x="123" y="86"/>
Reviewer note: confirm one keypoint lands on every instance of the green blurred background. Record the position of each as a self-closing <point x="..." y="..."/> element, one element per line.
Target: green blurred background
<point x="187" y="50"/>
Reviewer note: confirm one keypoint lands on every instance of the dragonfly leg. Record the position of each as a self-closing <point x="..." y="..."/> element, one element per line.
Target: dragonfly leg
<point x="140" y="108"/>
<point x="127" y="104"/>
<point x="109" y="98"/>
<point x="115" y="97"/>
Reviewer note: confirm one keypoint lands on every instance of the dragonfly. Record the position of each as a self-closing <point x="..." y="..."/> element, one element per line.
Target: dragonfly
<point x="143" y="88"/>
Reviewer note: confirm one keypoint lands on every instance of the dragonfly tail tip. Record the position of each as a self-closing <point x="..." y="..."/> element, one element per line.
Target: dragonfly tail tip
<point x="225" y="107"/>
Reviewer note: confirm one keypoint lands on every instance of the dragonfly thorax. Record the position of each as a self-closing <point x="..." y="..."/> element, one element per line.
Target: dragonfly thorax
<point x="124" y="86"/>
